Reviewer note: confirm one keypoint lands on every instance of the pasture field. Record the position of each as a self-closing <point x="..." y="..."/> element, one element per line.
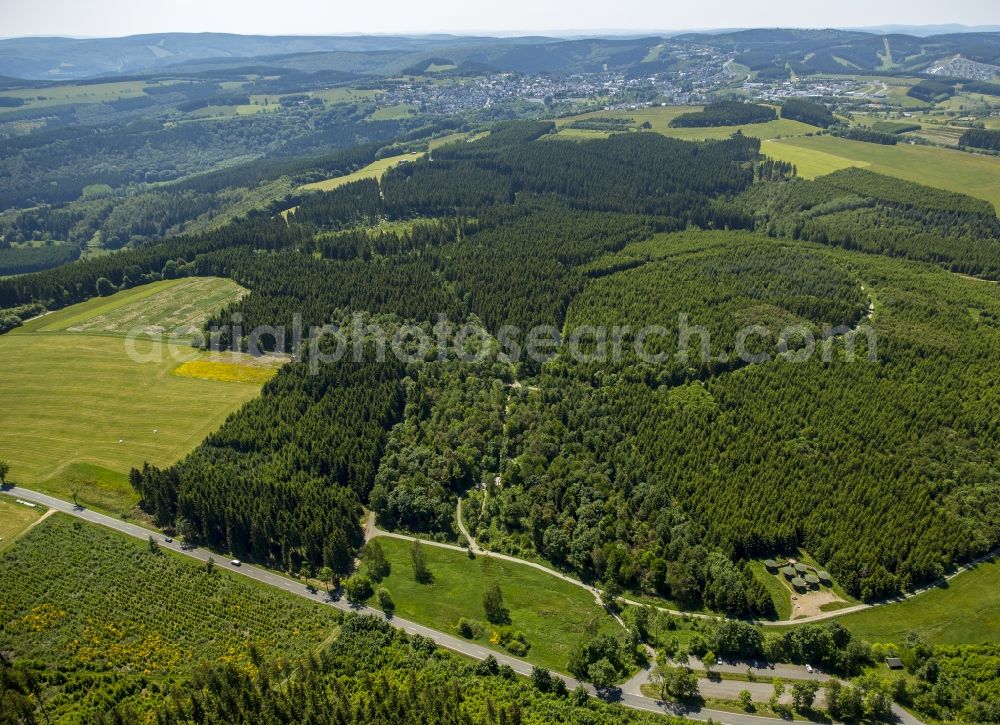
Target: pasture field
<point x="958" y="171"/>
<point x="392" y="113"/>
<point x="939" y="134"/>
<point x="176" y="303"/>
<point x="575" y="134"/>
<point x="809" y="163"/>
<point x="966" y="611"/>
<point x="245" y="109"/>
<point x="82" y="405"/>
<point x="374" y="170"/>
<point x="659" y="117"/>
<point x="80" y="399"/>
<point x="553" y="614"/>
<point x="62" y="95"/>
<point x="15" y="519"/>
<point x="345" y="95"/>
<point x="436" y="143"/>
<point x="182" y="305"/>
<point x="84" y="599"/>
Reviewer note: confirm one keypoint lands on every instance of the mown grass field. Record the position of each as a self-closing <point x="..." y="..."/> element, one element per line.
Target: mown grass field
<point x="180" y="305"/>
<point x="15" y="519"/>
<point x="958" y="171"/>
<point x="80" y="408"/>
<point x="374" y="170"/>
<point x="553" y="614"/>
<point x="170" y="304"/>
<point x="966" y="611"/>
<point x="809" y="163"/>
<point x="80" y="399"/>
<point x="392" y="113"/>
<point x="82" y="598"/>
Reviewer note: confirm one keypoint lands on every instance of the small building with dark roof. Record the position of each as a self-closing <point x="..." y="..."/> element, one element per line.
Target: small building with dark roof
<point x="894" y="663"/>
<point x="788" y="571"/>
<point x="799" y="584"/>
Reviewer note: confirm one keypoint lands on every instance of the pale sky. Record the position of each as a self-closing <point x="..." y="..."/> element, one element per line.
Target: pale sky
<point x="104" y="18"/>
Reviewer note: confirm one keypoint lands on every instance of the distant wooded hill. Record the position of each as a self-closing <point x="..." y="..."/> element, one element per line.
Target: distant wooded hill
<point x="805" y="50"/>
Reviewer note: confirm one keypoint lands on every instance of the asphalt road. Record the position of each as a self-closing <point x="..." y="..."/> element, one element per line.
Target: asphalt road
<point x="632" y="699"/>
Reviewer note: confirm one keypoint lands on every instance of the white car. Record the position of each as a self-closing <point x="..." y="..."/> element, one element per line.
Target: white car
<point x="809" y="669"/>
<point x="236" y="562"/>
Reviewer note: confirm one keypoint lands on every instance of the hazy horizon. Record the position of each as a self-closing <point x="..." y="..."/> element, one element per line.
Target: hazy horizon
<point x="117" y="18"/>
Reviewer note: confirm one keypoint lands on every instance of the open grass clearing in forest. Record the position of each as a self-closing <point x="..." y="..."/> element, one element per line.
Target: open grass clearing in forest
<point x="554" y="615"/>
<point x="81" y="399"/>
<point x="394" y="113"/>
<point x="966" y="610"/>
<point x="82" y="408"/>
<point x="809" y="163"/>
<point x="16" y="518"/>
<point x="374" y="170"/>
<point x="171" y="305"/>
<point x="958" y="171"/>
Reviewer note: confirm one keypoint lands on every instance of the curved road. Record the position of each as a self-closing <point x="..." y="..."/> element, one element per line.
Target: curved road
<point x="631" y="698"/>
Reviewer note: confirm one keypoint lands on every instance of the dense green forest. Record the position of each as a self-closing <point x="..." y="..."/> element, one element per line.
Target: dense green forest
<point x="373" y="673"/>
<point x="725" y="113"/>
<point x="24" y="259"/>
<point x="857" y="209"/>
<point x="800" y="109"/>
<point x="596" y="462"/>
<point x="537" y="259"/>
<point x="282" y="481"/>
<point x="932" y="90"/>
<point x="868" y="136"/>
<point x="981" y="138"/>
<point x="663" y="472"/>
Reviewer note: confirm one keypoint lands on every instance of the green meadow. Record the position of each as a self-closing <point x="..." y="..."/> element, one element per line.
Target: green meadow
<point x="374" y="170"/>
<point x="958" y="171"/>
<point x="967" y="610"/>
<point x="81" y="405"/>
<point x="553" y="614"/>
<point x="15" y="519"/>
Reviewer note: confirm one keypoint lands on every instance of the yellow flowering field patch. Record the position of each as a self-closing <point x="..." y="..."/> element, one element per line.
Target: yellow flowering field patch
<point x="225" y="371"/>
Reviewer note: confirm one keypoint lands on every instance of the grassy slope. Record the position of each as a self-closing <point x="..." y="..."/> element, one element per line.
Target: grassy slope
<point x="374" y="170"/>
<point x="966" y="611"/>
<point x="179" y="303"/>
<point x="809" y="163"/>
<point x="978" y="176"/>
<point x="69" y="397"/>
<point x="15" y="518"/>
<point x="553" y="614"/>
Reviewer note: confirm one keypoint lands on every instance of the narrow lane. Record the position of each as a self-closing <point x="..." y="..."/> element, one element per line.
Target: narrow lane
<point x="631" y="699"/>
